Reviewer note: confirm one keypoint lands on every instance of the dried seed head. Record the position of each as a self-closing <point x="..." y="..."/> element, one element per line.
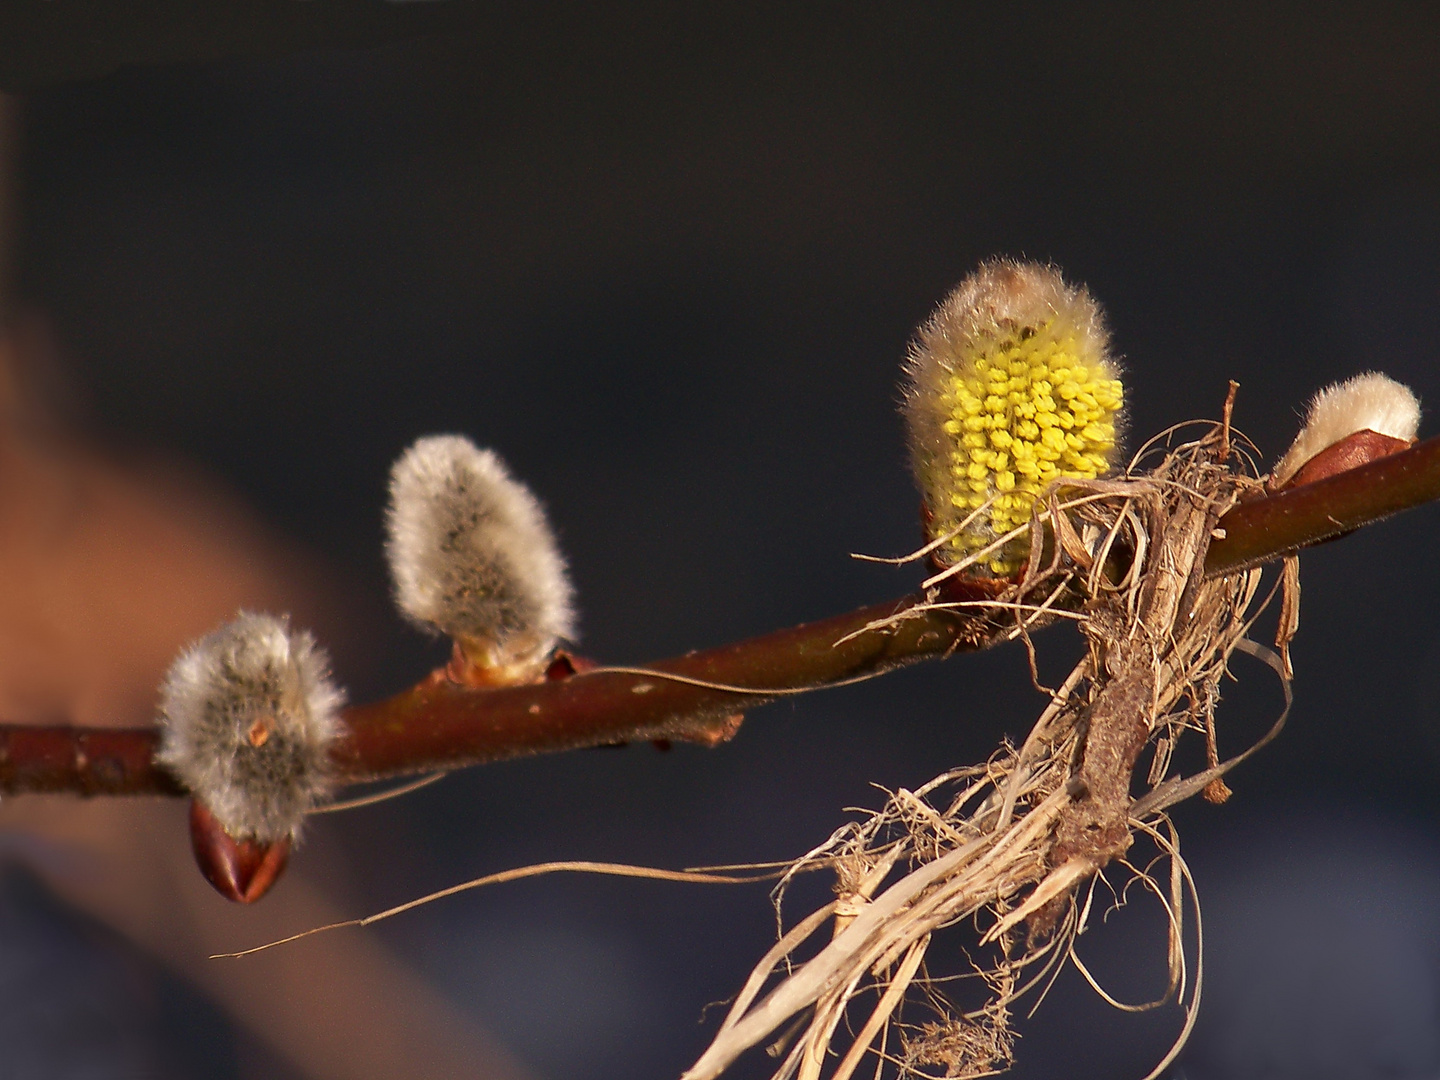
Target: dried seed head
<point x="473" y="556"/>
<point x="1009" y="386"/>
<point x="249" y="713"/>
<point x="1369" y="402"/>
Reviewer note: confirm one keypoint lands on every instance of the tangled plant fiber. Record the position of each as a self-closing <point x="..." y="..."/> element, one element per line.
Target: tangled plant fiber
<point x="1016" y="846"/>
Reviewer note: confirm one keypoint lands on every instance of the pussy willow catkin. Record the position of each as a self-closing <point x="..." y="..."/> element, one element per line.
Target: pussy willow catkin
<point x="473" y="556"/>
<point x="1368" y="402"/>
<point x="248" y="714"/>
<point x="1010" y="386"/>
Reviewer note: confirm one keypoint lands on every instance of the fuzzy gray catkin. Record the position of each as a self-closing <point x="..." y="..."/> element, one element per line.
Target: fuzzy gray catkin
<point x="249" y="713"/>
<point x="472" y="555"/>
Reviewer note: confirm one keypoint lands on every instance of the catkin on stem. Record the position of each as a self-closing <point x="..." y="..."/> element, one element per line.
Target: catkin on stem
<point x="1009" y="387"/>
<point x="1368" y="402"/>
<point x="249" y="713"/>
<point x="473" y="556"/>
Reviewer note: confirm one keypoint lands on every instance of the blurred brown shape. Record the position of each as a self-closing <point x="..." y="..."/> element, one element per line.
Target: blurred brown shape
<point x="109" y="564"/>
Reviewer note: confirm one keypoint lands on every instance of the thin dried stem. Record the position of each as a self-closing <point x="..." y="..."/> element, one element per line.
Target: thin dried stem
<point x="537" y="870"/>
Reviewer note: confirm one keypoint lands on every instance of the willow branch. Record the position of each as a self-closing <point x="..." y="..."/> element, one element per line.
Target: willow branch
<point x="1261" y="531"/>
<point x="439" y="725"/>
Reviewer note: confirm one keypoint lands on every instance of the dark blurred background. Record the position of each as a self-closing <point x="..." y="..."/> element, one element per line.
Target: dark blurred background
<point x="665" y="259"/>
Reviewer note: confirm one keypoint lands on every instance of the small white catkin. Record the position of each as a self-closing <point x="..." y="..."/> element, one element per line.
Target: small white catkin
<point x="472" y="554"/>
<point x="1372" y="401"/>
<point x="249" y="713"/>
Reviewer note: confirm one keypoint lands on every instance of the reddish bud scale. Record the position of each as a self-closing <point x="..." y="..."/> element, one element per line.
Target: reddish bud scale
<point x="240" y="870"/>
<point x="964" y="588"/>
<point x="974" y="590"/>
<point x="564" y="664"/>
<point x="1356" y="449"/>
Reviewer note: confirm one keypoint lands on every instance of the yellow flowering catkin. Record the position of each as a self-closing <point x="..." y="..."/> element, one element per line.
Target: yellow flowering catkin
<point x="1010" y="387"/>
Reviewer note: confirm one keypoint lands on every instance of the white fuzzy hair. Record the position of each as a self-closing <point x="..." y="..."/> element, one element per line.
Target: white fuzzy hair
<point x="1371" y="401"/>
<point x="472" y="554"/>
<point x="249" y="713"/>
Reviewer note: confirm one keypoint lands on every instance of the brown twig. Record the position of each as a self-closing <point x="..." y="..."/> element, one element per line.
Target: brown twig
<point x="437" y="724"/>
<point x="82" y="761"/>
<point x="1261" y="531"/>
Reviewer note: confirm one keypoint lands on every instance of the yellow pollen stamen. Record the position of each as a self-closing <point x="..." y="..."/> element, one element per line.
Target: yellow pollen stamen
<point x="1011" y="389"/>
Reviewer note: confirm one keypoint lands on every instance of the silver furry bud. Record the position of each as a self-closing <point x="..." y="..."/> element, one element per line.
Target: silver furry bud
<point x="473" y="556"/>
<point x="249" y="713"/>
<point x="1368" y="402"/>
